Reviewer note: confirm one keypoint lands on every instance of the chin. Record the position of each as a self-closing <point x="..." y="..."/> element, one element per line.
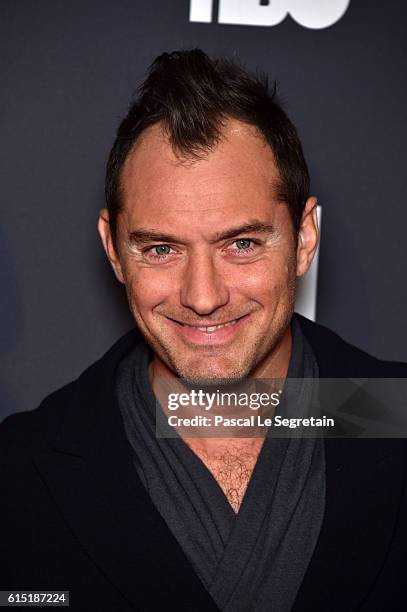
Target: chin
<point x="202" y="381"/>
<point x="216" y="374"/>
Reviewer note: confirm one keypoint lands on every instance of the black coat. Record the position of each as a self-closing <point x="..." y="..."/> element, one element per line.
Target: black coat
<point x="74" y="515"/>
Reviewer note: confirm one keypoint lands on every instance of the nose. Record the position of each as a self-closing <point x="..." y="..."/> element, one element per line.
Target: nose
<point x="203" y="288"/>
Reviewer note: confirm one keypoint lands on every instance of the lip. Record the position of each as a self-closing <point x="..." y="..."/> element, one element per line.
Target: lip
<point x="194" y="335"/>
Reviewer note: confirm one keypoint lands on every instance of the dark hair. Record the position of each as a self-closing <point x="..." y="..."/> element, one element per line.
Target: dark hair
<point x="192" y="95"/>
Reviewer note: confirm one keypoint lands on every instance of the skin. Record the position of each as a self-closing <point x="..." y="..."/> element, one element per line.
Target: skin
<point x="185" y="264"/>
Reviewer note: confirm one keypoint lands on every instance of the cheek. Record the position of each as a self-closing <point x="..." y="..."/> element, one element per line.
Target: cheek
<point x="147" y="288"/>
<point x="265" y="279"/>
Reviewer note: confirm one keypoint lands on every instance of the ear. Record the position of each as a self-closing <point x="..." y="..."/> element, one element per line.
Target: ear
<point x="308" y="236"/>
<point x="107" y="241"/>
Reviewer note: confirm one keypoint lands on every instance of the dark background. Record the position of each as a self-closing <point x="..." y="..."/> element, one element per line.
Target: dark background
<point x="68" y="69"/>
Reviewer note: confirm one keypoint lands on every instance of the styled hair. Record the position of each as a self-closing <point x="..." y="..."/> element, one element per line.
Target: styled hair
<point x="192" y="95"/>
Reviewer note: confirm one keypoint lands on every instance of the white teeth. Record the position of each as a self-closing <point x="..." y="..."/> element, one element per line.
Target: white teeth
<point x="213" y="328"/>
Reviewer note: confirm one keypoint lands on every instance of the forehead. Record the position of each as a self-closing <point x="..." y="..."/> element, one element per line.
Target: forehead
<point x="237" y="177"/>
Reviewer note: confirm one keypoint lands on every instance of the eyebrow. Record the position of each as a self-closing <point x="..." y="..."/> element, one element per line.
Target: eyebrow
<point x="247" y="228"/>
<point x="144" y="236"/>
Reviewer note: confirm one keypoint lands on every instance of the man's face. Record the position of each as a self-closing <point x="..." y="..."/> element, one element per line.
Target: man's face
<point x="207" y="254"/>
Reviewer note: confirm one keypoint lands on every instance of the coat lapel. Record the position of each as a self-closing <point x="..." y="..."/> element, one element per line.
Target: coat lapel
<point x="362" y="499"/>
<point x="91" y="477"/>
<point x="364" y="480"/>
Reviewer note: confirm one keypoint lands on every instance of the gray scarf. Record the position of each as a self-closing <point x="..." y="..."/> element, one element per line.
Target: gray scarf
<point x="255" y="560"/>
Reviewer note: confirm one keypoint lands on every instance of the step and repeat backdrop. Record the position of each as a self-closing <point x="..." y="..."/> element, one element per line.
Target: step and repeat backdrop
<point x="68" y="70"/>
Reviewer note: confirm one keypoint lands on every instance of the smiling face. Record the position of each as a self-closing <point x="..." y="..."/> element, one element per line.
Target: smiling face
<point x="208" y="256"/>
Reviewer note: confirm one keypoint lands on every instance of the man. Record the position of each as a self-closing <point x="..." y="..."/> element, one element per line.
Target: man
<point x="208" y="224"/>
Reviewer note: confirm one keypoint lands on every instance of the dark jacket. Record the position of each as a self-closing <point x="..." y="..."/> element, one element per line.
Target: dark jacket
<point x="74" y="515"/>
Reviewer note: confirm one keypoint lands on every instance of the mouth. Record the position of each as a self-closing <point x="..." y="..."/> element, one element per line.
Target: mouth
<point x="215" y="333"/>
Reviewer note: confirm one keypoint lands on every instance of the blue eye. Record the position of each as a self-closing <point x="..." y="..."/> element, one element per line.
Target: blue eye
<point x="243" y="243"/>
<point x="162" y="249"/>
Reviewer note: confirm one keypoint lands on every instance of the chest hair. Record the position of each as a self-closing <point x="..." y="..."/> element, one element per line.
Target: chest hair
<point x="232" y="465"/>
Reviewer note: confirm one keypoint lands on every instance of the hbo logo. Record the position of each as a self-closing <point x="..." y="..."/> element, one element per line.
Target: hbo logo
<point x="315" y="14"/>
